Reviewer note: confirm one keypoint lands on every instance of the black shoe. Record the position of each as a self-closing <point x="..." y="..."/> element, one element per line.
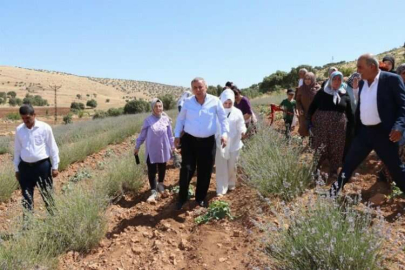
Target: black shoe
<point x="202" y="203"/>
<point x="179" y="205"/>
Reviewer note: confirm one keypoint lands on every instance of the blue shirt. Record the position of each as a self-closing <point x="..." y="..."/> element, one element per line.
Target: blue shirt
<point x="200" y="120"/>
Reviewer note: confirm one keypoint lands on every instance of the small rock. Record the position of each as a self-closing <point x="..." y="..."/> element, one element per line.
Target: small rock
<point x="137" y="250"/>
<point x="183" y="244"/>
<point x="378" y="199"/>
<point x="219" y="245"/>
<point x="134" y="240"/>
<point x="236" y="233"/>
<point x="165" y="226"/>
<point x="222" y="259"/>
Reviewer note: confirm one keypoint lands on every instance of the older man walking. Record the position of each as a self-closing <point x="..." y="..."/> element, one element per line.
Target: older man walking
<point x="380" y="122"/>
<point x="197" y="121"/>
<point x="36" y="158"/>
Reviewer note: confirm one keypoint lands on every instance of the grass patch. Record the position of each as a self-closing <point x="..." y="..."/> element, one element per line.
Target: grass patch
<point x="8" y="182"/>
<point x="276" y="167"/>
<point x="322" y="234"/>
<point x="5" y="142"/>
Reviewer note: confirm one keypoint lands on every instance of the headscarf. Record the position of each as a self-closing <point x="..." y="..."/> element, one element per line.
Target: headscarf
<point x="390" y="59"/>
<point x="335" y="93"/>
<point x="401" y="69"/>
<point x="313" y="87"/>
<point x="225" y="95"/>
<point x="153" y="103"/>
<point x="352" y="77"/>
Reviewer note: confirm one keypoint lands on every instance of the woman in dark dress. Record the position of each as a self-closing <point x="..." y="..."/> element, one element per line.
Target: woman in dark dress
<point x="243" y="104"/>
<point x="331" y="119"/>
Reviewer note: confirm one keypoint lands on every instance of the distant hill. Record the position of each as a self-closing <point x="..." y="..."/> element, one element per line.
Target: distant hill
<point x="107" y="92"/>
<point x="397" y="53"/>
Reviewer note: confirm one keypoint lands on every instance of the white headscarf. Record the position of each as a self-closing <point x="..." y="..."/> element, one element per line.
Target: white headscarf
<point x="335" y="93"/>
<point x="227" y="94"/>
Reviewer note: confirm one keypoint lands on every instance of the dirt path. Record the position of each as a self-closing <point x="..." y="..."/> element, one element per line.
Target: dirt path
<point x="156" y="236"/>
<point x="13" y="209"/>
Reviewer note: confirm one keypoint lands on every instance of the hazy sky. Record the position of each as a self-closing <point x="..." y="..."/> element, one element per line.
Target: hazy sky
<point x="174" y="41"/>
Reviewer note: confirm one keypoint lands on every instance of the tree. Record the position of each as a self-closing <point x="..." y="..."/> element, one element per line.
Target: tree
<point x="273" y="82"/>
<point x="79" y="96"/>
<point x="212" y="90"/>
<point x="293" y="77"/>
<point x="115" y="111"/>
<point x="2" y="100"/>
<point x="77" y="106"/>
<point x="107" y="100"/>
<point x="169" y="102"/>
<point x="91" y="103"/>
<point x="136" y="106"/>
<point x="12" y="102"/>
<point x="12" y="94"/>
<point x="3" y="95"/>
<point x="67" y="119"/>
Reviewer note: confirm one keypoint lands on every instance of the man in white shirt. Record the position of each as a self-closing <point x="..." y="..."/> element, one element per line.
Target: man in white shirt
<point x="34" y="150"/>
<point x="380" y="122"/>
<point x="197" y="121"/>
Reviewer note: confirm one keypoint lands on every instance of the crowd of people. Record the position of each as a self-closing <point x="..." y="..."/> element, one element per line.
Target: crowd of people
<point x="346" y="118"/>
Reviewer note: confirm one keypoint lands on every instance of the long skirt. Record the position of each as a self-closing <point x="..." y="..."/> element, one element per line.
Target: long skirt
<point x="302" y="128"/>
<point x="329" y="138"/>
<point x="225" y="171"/>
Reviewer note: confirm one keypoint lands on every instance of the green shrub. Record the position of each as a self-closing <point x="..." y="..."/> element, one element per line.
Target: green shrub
<point x="217" y="210"/>
<point x="12" y="94"/>
<point x="168" y="100"/>
<point x="107" y="100"/>
<point x="5" y="142"/>
<point x="115" y="111"/>
<point x="67" y="119"/>
<point x="77" y="106"/>
<point x="346" y="71"/>
<point x="36" y="100"/>
<point x="92" y="103"/>
<point x="13" y="116"/>
<point x="8" y="182"/>
<point x="322" y="234"/>
<point x="3" y="100"/>
<point x="136" y="106"/>
<point x="99" y="114"/>
<point x="12" y="102"/>
<point x="273" y="165"/>
<point x="3" y="95"/>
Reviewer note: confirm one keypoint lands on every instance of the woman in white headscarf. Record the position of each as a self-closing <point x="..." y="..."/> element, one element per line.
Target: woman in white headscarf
<point x="226" y="158"/>
<point x="331" y="120"/>
<point x="183" y="97"/>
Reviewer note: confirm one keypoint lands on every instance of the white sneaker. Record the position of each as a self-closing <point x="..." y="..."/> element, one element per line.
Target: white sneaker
<point x="160" y="187"/>
<point x="153" y="196"/>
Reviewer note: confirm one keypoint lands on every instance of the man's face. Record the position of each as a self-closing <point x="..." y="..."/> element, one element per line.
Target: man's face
<point x="388" y="64"/>
<point x="28" y="120"/>
<point x="365" y="70"/>
<point x="199" y="88"/>
<point x="301" y="74"/>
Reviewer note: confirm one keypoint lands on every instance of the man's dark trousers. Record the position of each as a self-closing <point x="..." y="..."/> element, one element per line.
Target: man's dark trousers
<point x="36" y="174"/>
<point x="377" y="139"/>
<point x="200" y="153"/>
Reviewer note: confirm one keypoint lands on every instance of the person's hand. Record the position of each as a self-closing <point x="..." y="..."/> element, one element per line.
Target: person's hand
<point x="395" y="136"/>
<point x="17" y="176"/>
<point x="356" y="83"/>
<point x="55" y="173"/>
<point x="174" y="150"/>
<point x="136" y="151"/>
<point x="176" y="142"/>
<point x="224" y="141"/>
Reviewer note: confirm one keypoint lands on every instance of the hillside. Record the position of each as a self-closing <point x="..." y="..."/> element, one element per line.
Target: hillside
<point x="37" y="82"/>
<point x="397" y="53"/>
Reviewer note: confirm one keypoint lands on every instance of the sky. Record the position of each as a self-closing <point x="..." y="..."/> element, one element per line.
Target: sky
<point x="172" y="42"/>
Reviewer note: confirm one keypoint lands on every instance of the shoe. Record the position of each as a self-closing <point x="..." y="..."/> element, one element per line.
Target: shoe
<point x="202" y="203"/>
<point x="179" y="205"/>
<point x="230" y="188"/>
<point x="153" y="196"/>
<point x="220" y="195"/>
<point x="160" y="187"/>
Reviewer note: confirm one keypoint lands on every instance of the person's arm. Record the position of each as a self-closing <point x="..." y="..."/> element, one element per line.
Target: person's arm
<point x="17" y="152"/>
<point x="170" y="135"/>
<point x="142" y="137"/>
<point x="240" y="125"/>
<point x="181" y="119"/>
<point x="313" y="107"/>
<point x="53" y="150"/>
<point x="398" y="87"/>
<point x="248" y="112"/>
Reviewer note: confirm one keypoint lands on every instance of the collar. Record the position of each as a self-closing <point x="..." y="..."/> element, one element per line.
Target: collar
<point x="36" y="125"/>
<point x="376" y="79"/>
<point x="205" y="98"/>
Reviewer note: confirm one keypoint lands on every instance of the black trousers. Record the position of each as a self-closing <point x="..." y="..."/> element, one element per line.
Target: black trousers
<point x="40" y="175"/>
<point x="377" y="139"/>
<point x="152" y="169"/>
<point x="200" y="153"/>
<point x="288" y="124"/>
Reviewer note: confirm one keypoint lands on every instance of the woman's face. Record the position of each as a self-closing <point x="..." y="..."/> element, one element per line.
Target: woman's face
<point x="228" y="104"/>
<point x="308" y="80"/>
<point x="238" y="96"/>
<point x="336" y="82"/>
<point x="388" y="64"/>
<point x="158" y="109"/>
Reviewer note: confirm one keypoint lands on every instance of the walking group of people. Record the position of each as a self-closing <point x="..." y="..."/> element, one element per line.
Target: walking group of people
<point x="347" y="120"/>
<point x="209" y="130"/>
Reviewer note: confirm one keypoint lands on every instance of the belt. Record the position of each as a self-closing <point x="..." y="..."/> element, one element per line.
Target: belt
<point x="32" y="164"/>
<point x="374" y="126"/>
<point x="200" y="139"/>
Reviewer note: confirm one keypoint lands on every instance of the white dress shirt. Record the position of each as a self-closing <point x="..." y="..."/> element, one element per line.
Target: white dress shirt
<point x="35" y="144"/>
<point x="201" y="120"/>
<point x="368" y="103"/>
